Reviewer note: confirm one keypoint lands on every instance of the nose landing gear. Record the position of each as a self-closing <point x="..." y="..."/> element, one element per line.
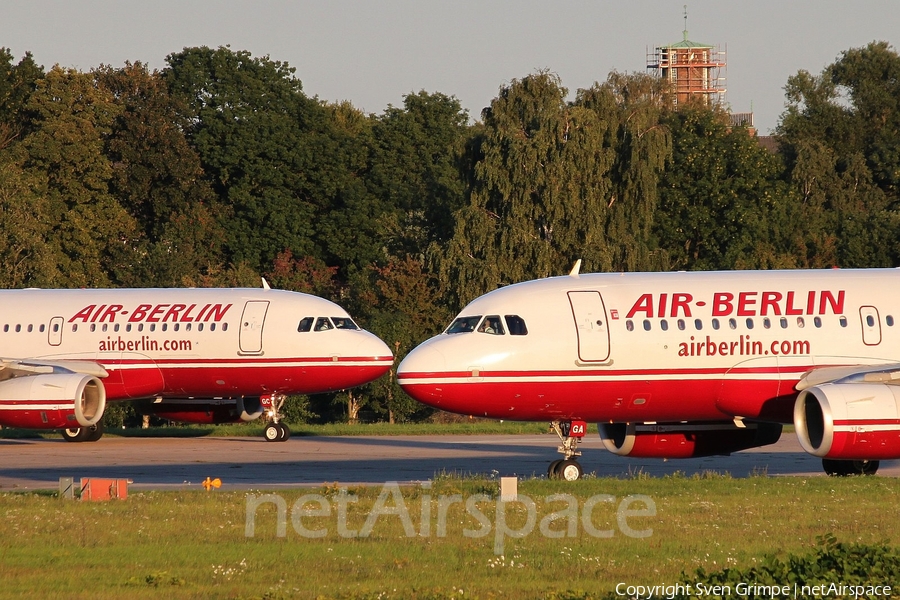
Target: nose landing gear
<point x="275" y="430"/>
<point x="570" y="434"/>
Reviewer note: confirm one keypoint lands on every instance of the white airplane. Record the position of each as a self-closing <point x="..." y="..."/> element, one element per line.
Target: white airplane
<point x="681" y="364"/>
<point x="190" y="355"/>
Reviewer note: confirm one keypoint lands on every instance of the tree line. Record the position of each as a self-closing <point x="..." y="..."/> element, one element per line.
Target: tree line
<point x="219" y="169"/>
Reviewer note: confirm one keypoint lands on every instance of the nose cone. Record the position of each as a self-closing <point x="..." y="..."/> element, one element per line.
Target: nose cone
<point x="376" y="352"/>
<point x="419" y="374"/>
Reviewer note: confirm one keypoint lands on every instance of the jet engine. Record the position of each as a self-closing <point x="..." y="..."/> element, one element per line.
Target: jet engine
<point x="52" y="401"/>
<point x="205" y="411"/>
<point x="849" y="421"/>
<point x="685" y="440"/>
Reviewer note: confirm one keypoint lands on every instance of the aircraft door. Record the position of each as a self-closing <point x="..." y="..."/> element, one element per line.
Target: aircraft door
<point x="54" y="332"/>
<point x="871" y="325"/>
<point x="252" y="321"/>
<point x="591" y="326"/>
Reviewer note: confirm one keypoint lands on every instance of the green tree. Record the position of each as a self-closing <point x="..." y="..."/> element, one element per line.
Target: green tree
<point x="260" y="143"/>
<point x="840" y="136"/>
<point x="723" y="204"/>
<point x="27" y="255"/>
<point x="94" y="236"/>
<point x="157" y="178"/>
<point x="552" y="182"/>
<point x="17" y="82"/>
<point x="415" y="169"/>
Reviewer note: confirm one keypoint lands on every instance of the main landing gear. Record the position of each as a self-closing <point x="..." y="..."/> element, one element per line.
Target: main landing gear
<point x="570" y="434"/>
<point x="83" y="434"/>
<point x="275" y="430"/>
<point x="842" y="468"/>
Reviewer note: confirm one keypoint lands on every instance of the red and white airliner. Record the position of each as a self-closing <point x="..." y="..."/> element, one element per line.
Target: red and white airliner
<point x="190" y="355"/>
<point x="681" y="364"/>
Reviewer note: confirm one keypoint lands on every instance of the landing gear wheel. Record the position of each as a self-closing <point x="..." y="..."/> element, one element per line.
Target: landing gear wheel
<point x="842" y="468"/>
<point x="285" y="433"/>
<point x="552" y="470"/>
<point x="864" y="467"/>
<point x="569" y="470"/>
<point x="74" y="434"/>
<point x="272" y="432"/>
<point x="94" y="432"/>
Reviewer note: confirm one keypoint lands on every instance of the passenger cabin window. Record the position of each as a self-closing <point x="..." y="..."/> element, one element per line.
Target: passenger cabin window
<point x="664" y="325"/>
<point x="323" y="324"/>
<point x="843" y="321"/>
<point x="464" y="324"/>
<point x="344" y="323"/>
<point x="715" y="324"/>
<point x="492" y="325"/>
<point x="698" y="324"/>
<point x="516" y="325"/>
<point x="646" y="324"/>
<point x="889" y="321"/>
<point x="305" y="325"/>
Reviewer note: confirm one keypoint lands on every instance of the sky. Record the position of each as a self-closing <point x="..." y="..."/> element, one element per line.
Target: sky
<point x="372" y="53"/>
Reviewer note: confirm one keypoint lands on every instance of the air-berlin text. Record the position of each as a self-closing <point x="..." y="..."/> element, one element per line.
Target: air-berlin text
<point x="741" y="304"/>
<point x="151" y="313"/>
<point x="742" y="346"/>
<point x="144" y="344"/>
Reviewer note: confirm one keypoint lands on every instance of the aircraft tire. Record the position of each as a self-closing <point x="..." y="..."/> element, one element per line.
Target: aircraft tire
<point x="272" y="432"/>
<point x="552" y="470"/>
<point x="569" y="470"/>
<point x="843" y="468"/>
<point x="94" y="432"/>
<point x="864" y="467"/>
<point x="74" y="434"/>
<point x="285" y="432"/>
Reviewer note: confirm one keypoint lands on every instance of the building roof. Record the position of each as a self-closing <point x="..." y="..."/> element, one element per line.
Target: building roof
<point x="686" y="43"/>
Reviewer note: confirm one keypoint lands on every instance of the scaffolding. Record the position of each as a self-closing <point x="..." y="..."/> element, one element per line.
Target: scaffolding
<point x="695" y="71"/>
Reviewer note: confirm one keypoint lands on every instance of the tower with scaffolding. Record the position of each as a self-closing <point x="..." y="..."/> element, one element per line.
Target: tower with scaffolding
<point x="695" y="71"/>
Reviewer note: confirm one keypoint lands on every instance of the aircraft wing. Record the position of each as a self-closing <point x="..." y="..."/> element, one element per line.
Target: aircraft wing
<point x="888" y="374"/>
<point x="14" y="367"/>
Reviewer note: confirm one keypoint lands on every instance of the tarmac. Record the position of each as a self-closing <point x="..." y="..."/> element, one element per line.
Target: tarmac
<point x="244" y="463"/>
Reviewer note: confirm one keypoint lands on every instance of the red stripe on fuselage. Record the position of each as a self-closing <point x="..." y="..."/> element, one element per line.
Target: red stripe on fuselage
<point x="620" y="396"/>
<point x="131" y="379"/>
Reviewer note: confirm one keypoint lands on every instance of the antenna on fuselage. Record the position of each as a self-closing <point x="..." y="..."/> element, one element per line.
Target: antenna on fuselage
<point x="575" y="269"/>
<point x="265" y="284"/>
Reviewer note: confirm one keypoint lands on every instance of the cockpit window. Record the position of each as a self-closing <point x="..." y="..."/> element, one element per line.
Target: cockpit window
<point x="323" y="324"/>
<point x="344" y="323"/>
<point x="492" y="324"/>
<point x="516" y="325"/>
<point x="464" y="324"/>
<point x="305" y="324"/>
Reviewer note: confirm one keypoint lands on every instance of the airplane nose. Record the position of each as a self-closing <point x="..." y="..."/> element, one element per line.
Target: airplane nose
<point x="424" y="359"/>
<point x="416" y="375"/>
<point x="375" y="347"/>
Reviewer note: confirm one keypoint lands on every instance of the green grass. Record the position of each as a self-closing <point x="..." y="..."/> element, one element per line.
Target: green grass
<point x="193" y="544"/>
<point x="255" y="429"/>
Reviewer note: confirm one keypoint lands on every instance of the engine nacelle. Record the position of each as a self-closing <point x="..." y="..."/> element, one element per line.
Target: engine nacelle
<point x="851" y="421"/>
<point x="205" y="411"/>
<point x="52" y="401"/>
<point x="685" y="440"/>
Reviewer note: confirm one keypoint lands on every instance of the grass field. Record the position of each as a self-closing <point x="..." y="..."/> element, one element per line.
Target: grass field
<point x="195" y="544"/>
<point x="256" y="429"/>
